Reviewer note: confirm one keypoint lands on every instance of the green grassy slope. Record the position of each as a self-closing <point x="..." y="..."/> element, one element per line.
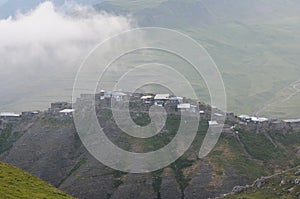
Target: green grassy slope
<point x="15" y="183"/>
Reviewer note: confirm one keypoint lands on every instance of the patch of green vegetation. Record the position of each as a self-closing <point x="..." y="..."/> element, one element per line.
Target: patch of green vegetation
<point x="56" y="122"/>
<point x="219" y="173"/>
<point x="178" y="167"/>
<point x="273" y="188"/>
<point x="169" y="131"/>
<point x="106" y="114"/>
<point x="7" y="138"/>
<point x="15" y="183"/>
<point x="142" y="119"/>
<point x="237" y="159"/>
<point x="259" y="146"/>
<point x="287" y="140"/>
<point x="118" y="178"/>
<point x="156" y="181"/>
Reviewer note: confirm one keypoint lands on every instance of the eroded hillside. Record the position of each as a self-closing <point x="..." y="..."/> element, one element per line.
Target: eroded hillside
<point x="47" y="146"/>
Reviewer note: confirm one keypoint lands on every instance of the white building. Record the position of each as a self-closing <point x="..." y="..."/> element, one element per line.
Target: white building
<point x="187" y="107"/>
<point x="292" y="121"/>
<point x="212" y="123"/>
<point x="9" y="115"/>
<point x="161" y="99"/>
<point x="118" y="96"/>
<point x="259" y="119"/>
<point x="148" y="99"/>
<point x="67" y="111"/>
<point x="244" y="117"/>
<point x="176" y="100"/>
<point x="218" y="114"/>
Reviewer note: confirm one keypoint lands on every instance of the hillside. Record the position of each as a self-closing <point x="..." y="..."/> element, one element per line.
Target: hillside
<point x="15" y="183"/>
<point x="246" y="39"/>
<point x="283" y="185"/>
<point x="47" y="146"/>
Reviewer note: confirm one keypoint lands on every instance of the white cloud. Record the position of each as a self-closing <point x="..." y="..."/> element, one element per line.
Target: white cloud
<point x="38" y="48"/>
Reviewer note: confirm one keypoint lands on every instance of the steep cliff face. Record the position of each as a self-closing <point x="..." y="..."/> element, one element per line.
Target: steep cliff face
<point x="49" y="147"/>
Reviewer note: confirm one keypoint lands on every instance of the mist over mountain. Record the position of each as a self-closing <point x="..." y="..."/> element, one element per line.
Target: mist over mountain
<point x="246" y="39"/>
<point x="48" y="45"/>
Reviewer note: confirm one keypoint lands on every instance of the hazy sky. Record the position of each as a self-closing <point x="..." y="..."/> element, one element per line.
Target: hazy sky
<point x="42" y="49"/>
<point x="2" y="2"/>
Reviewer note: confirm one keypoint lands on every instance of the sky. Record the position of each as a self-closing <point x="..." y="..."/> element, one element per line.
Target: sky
<point x="2" y="2"/>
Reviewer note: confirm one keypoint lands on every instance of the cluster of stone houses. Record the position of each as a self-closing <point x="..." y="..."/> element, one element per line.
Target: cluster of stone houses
<point x="14" y="117"/>
<point x="170" y="102"/>
<point x="61" y="109"/>
<point x="247" y="118"/>
<point x="56" y="109"/>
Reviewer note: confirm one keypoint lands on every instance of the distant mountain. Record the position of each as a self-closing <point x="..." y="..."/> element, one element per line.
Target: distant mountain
<point x="16" y="183"/>
<point x="247" y="40"/>
<point x="9" y="8"/>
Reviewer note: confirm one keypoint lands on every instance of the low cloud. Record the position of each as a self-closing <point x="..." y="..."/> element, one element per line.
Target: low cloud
<point x="40" y="51"/>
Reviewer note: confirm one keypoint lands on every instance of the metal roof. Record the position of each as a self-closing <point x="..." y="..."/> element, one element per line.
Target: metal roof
<point x="184" y="106"/>
<point x="67" y="111"/>
<point x="147" y="97"/>
<point x="212" y="123"/>
<point x="259" y="119"/>
<point x="292" y="120"/>
<point x="7" y="114"/>
<point x="162" y="96"/>
<point x="218" y="114"/>
<point x="244" y="117"/>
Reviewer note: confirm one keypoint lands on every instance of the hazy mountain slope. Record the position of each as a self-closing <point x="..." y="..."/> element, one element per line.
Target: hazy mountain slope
<point x="254" y="44"/>
<point x="15" y="183"/>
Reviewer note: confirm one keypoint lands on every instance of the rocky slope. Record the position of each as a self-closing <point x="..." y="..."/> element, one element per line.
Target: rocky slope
<point x="283" y="185"/>
<point x="48" y="147"/>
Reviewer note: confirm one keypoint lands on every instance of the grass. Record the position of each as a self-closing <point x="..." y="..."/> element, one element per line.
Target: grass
<point x="230" y="155"/>
<point x="260" y="147"/>
<point x="7" y="138"/>
<point x="119" y="178"/>
<point x="178" y="166"/>
<point x="272" y="188"/>
<point x="156" y="181"/>
<point x="15" y="183"/>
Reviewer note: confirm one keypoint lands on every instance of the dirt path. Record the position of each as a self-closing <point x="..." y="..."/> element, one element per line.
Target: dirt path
<point x="294" y="86"/>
